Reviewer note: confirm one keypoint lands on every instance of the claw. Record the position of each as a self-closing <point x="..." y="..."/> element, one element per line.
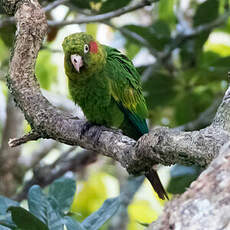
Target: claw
<point x="95" y="134"/>
<point x="86" y="128"/>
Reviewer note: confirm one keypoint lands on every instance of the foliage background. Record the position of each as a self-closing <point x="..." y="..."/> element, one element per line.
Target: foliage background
<point x="181" y="49"/>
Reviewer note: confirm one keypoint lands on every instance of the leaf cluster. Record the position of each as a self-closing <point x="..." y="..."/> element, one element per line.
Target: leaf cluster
<point x="51" y="211"/>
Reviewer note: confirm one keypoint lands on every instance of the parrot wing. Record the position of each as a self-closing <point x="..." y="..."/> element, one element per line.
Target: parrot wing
<point x="126" y="89"/>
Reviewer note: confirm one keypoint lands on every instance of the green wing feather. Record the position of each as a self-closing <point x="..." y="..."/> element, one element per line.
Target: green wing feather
<point x="126" y="89"/>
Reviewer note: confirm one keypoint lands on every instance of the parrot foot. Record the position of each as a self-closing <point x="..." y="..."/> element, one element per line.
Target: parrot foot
<point x="86" y="127"/>
<point x="95" y="134"/>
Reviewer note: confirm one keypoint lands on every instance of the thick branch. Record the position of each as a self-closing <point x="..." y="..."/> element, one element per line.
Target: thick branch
<point x="205" y="205"/>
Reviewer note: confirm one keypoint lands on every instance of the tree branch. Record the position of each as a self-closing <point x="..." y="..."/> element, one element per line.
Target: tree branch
<point x="105" y="16"/>
<point x="54" y="4"/>
<point x="205" y="205"/>
<point x="32" y="136"/>
<point x="88" y="19"/>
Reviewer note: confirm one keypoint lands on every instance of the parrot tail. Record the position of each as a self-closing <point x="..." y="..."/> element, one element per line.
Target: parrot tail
<point x="154" y="179"/>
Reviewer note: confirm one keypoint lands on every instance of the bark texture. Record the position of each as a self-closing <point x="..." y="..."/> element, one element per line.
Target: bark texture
<point x="206" y="204"/>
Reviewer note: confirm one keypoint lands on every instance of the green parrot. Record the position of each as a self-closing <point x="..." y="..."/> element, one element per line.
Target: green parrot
<point x="106" y="85"/>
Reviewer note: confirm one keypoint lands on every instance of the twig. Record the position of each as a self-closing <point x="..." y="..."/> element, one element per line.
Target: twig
<point x="102" y="17"/>
<point x="32" y="136"/>
<point x="45" y="175"/>
<point x="54" y="4"/>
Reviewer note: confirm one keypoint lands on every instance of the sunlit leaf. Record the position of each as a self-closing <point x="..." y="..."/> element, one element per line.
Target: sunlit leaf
<point x="166" y="11"/>
<point x="142" y="211"/>
<point x="201" y="17"/>
<point x="131" y="49"/>
<point x="90" y="198"/>
<point x="46" y="70"/>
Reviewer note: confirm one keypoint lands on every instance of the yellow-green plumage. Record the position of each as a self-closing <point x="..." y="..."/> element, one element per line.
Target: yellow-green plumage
<point x="107" y="87"/>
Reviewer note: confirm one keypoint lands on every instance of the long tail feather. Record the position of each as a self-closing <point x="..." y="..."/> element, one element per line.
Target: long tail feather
<point x="154" y="179"/>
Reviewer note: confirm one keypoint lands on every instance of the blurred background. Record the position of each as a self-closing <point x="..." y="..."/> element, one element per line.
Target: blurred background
<point x="182" y="51"/>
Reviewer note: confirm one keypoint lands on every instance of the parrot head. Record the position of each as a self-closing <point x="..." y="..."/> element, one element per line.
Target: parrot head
<point x="83" y="55"/>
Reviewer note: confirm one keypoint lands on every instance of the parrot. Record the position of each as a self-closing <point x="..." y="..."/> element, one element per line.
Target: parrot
<point x="106" y="85"/>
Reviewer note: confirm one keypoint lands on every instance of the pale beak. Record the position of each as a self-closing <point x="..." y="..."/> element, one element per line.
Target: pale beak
<point x="76" y="61"/>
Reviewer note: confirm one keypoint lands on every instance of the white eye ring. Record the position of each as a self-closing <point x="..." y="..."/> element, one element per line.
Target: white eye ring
<point x="86" y="48"/>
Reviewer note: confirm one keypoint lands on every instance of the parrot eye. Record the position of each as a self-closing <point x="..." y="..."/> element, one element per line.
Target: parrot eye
<point x="86" y="48"/>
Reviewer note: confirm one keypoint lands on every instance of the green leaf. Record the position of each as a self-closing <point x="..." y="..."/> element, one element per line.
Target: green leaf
<point x="98" y="218"/>
<point x="62" y="192"/>
<point x="40" y="206"/>
<point x="166" y="11"/>
<point x="7" y="34"/>
<point x="182" y="177"/>
<point x="5" y="203"/>
<point x="202" y="17"/>
<point x="6" y="222"/>
<point x="80" y="4"/>
<point x="25" y="220"/>
<point x="157" y="35"/>
<point x="45" y="70"/>
<point x="191" y="50"/>
<point x="160" y="89"/>
<point x="5" y="217"/>
<point x="110" y="5"/>
<point x="132" y="49"/>
<point x="72" y="224"/>
<point x="4" y="228"/>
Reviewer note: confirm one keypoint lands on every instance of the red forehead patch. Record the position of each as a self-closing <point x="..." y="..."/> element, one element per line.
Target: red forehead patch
<point x="93" y="47"/>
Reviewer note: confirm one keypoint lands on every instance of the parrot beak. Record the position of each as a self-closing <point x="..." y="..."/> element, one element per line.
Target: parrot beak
<point x="76" y="61"/>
